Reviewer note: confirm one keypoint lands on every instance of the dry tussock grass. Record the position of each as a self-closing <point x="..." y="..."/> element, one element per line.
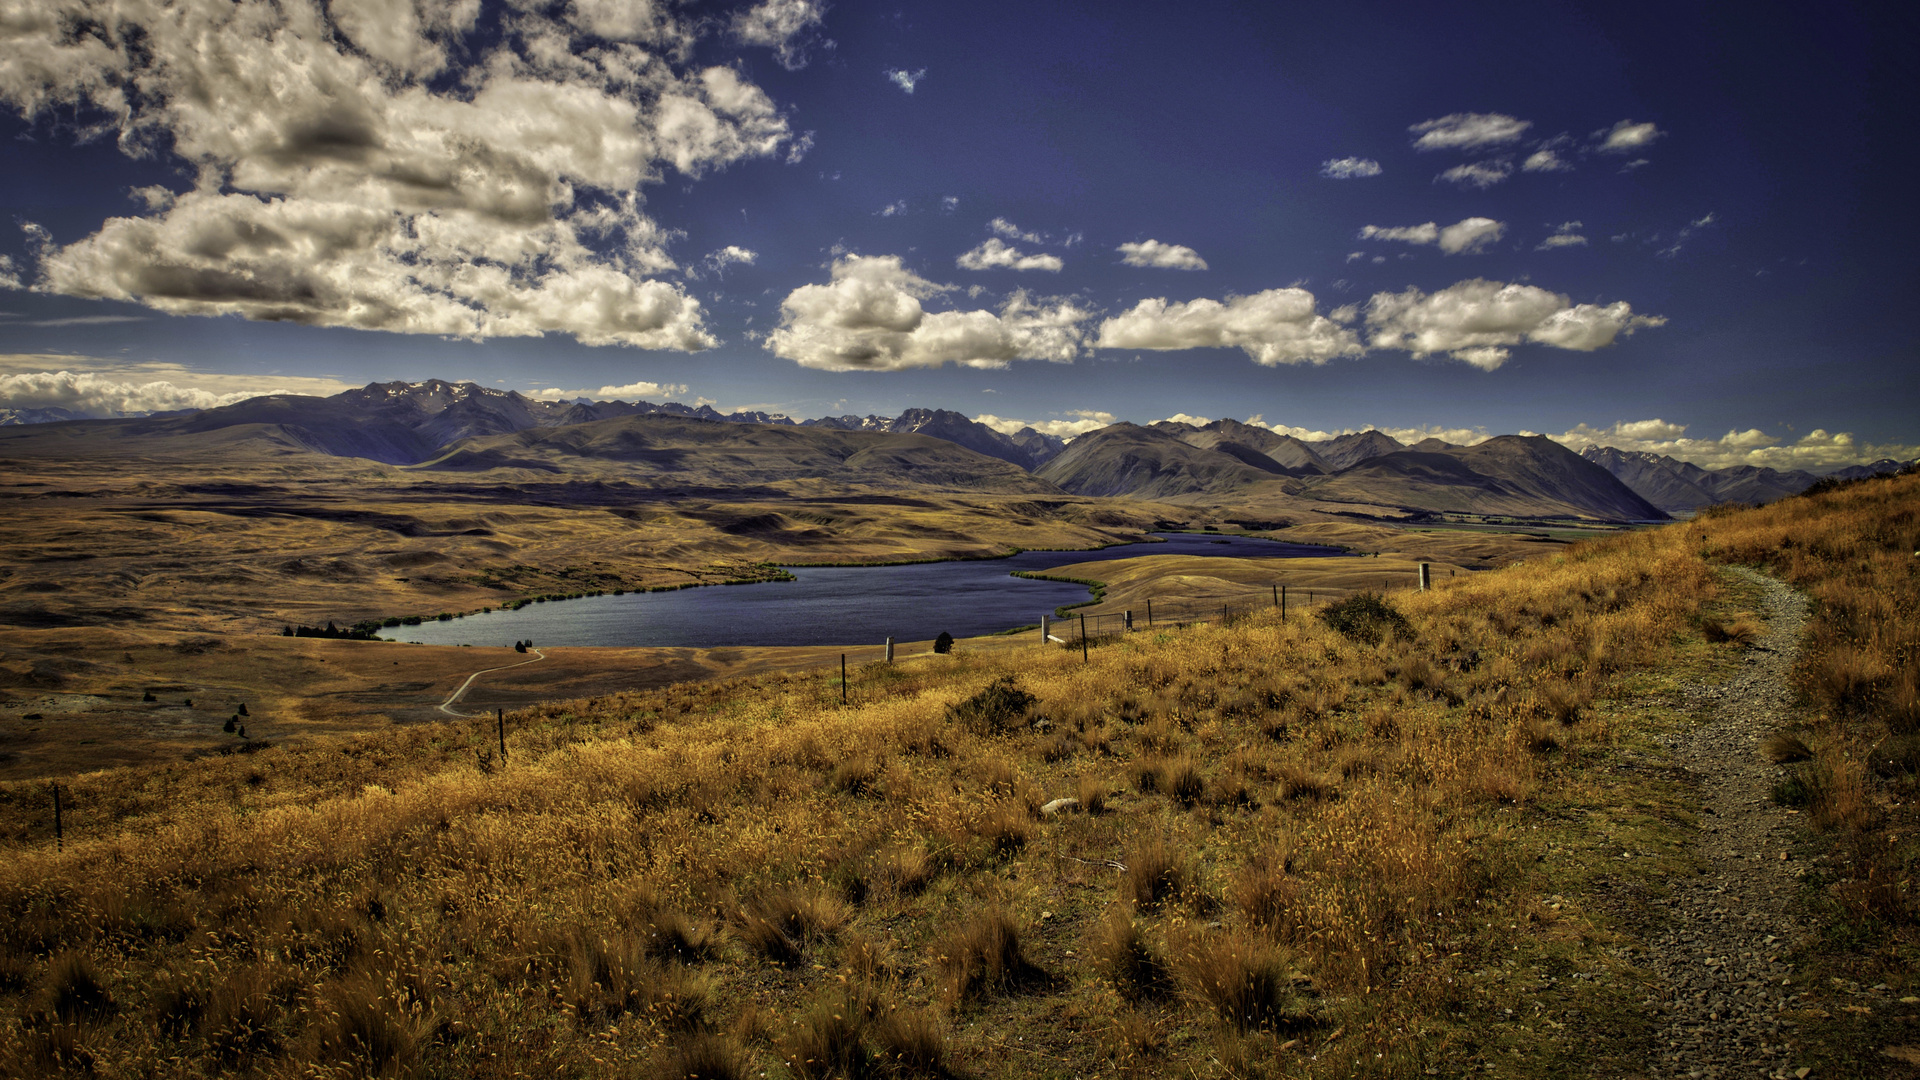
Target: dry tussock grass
<point x="699" y="880"/>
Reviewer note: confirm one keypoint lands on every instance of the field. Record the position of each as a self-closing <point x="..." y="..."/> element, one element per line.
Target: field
<point x="1295" y="851"/>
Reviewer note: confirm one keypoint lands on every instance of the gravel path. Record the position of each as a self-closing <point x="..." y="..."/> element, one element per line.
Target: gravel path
<point x="1719" y="958"/>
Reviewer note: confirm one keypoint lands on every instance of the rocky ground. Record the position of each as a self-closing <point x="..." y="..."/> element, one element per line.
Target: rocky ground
<point x="1725" y="989"/>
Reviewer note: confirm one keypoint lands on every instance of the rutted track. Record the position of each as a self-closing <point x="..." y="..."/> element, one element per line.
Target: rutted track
<point x="447" y="705"/>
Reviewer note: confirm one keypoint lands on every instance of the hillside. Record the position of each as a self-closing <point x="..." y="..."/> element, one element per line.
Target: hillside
<point x="1146" y="463"/>
<point x="1507" y="475"/>
<point x="1265" y="450"/>
<point x="1346" y="451"/>
<point x="1385" y="853"/>
<point x="676" y="452"/>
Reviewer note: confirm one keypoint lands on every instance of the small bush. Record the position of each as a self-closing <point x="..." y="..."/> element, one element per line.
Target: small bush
<point x="1092" y="795"/>
<point x="707" y="1056"/>
<point x="998" y="708"/>
<point x="1366" y="617"/>
<point x="1784" y="749"/>
<point x="1154" y="873"/>
<point x="983" y="957"/>
<point x="944" y="643"/>
<point x="1127" y="960"/>
<point x="1246" y="983"/>
<point x="74" y="989"/>
<point x="912" y="1041"/>
<point x="781" y="924"/>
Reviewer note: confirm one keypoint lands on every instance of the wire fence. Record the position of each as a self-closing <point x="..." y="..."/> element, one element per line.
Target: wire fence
<point x="1209" y="609"/>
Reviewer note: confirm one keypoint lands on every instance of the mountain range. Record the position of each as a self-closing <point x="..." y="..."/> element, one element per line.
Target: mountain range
<point x="446" y="427"/>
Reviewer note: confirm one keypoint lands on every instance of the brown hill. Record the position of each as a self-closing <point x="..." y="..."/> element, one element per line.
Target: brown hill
<point x="1522" y="476"/>
<point x="658" y="450"/>
<point x="1151" y="463"/>
<point x="1350" y="450"/>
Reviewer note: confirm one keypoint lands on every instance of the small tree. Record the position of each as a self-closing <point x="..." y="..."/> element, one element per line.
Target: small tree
<point x="943" y="643"/>
<point x="232" y="723"/>
<point x="242" y="711"/>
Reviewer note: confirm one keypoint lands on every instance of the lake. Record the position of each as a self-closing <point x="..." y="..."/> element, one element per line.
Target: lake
<point x="828" y="605"/>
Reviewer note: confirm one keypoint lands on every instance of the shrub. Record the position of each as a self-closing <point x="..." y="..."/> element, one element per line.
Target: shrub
<point x="983" y="957"/>
<point x="1366" y="617"/>
<point x="1245" y="981"/>
<point x="1784" y="749"/>
<point x="944" y="643"/>
<point x="1154" y="873"/>
<point x="781" y="924"/>
<point x="999" y="707"/>
<point x="74" y="989"/>
<point x="707" y="1056"/>
<point x="912" y="1041"/>
<point x="1127" y="960"/>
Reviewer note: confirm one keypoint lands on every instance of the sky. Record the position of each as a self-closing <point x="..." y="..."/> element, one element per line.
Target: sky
<point x="1677" y="227"/>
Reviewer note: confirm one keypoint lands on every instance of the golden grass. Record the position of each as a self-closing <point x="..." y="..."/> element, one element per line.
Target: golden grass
<point x="1336" y="850"/>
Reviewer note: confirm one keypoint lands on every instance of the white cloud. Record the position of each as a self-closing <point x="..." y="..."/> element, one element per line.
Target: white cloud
<point x="1166" y="256"/>
<point x="1183" y="418"/>
<point x="1477" y="321"/>
<point x="785" y="26"/>
<point x="1567" y="235"/>
<point x="870" y="318"/>
<point x="1003" y="228"/>
<point x="1088" y="420"/>
<point x="1349" y="168"/>
<point x="1478" y="174"/>
<point x="1406" y="234"/>
<point x="996" y="254"/>
<point x="1278" y="326"/>
<point x="906" y="80"/>
<point x="1815" y="451"/>
<point x="1469" y="236"/>
<point x="1545" y="159"/>
<point x="391" y="170"/>
<point x="950" y="203"/>
<point x="894" y="209"/>
<point x="717" y="262"/>
<point x="634" y="391"/>
<point x="1467" y="131"/>
<point x="90" y="394"/>
<point x="1626" y="137"/>
<point x="9" y="274"/>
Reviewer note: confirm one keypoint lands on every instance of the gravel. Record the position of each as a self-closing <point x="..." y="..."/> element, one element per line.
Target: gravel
<point x="1720" y="956"/>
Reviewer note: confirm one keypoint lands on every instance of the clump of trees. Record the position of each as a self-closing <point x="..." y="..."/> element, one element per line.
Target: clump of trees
<point x="362" y="632"/>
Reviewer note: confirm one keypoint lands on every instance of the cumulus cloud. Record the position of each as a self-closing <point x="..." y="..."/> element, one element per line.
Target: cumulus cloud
<point x="1278" y="326"/>
<point x="788" y="27"/>
<point x="1165" y="256"/>
<point x="870" y="318"/>
<point x="1469" y="236"/>
<point x="1349" y="168"/>
<point x="1085" y="420"/>
<point x="376" y="165"/>
<point x="1567" y="235"/>
<point x="996" y="254"/>
<point x="1815" y="451"/>
<point x="1626" y="137"/>
<point x="1467" y="131"/>
<point x="1480" y="175"/>
<point x="9" y="274"/>
<point x="1478" y="321"/>
<point x="1184" y="418"/>
<point x="95" y="395"/>
<point x="904" y="79"/>
<point x="633" y="391"/>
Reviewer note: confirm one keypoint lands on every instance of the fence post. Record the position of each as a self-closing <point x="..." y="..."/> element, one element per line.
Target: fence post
<point x="843" y="678"/>
<point x="1149" y="612"/>
<point x="1283" y="603"/>
<point x="889" y="650"/>
<point x="1127" y="625"/>
<point x="500" y="715"/>
<point x="1045" y="634"/>
<point x="1426" y="576"/>
<point x="59" y="829"/>
<point x="1083" y="639"/>
<point x="1276" y="596"/>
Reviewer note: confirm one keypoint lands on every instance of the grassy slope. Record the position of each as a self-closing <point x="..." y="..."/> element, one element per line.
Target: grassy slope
<point x="1340" y="859"/>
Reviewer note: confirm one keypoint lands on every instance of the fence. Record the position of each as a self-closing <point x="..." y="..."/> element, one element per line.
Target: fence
<point x="1214" y="609"/>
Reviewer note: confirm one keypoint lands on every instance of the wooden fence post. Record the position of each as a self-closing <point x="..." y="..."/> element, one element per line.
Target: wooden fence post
<point x="889" y="650"/>
<point x="501" y="716"/>
<point x="1083" y="639"/>
<point x="843" y="678"/>
<point x="1426" y="576"/>
<point x="1283" y="603"/>
<point x="1149" y="612"/>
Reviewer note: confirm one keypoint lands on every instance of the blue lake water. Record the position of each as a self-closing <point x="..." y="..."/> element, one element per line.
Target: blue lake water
<point x="827" y="605"/>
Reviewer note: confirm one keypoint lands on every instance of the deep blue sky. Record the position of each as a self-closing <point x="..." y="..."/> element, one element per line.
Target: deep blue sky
<point x="1744" y="264"/>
